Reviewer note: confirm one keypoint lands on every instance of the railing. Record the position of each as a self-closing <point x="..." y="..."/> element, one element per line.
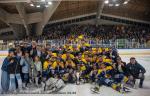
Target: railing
<point x="119" y="43"/>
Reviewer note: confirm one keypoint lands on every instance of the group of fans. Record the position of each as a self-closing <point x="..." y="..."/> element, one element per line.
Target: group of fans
<point x="35" y="64"/>
<point x="100" y="32"/>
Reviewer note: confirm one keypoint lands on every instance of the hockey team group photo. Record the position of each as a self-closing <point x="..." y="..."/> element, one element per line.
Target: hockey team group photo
<point x="75" y="47"/>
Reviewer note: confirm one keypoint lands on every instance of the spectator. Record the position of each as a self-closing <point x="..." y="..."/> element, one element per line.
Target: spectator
<point x="136" y="71"/>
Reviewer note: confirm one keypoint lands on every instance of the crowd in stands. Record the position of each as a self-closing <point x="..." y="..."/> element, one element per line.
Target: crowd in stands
<point x="35" y="64"/>
<point x="99" y="32"/>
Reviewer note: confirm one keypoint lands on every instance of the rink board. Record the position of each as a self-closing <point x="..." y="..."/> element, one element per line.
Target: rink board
<point x="121" y="52"/>
<point x="134" y="51"/>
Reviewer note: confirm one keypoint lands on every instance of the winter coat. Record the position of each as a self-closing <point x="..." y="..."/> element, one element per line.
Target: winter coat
<point x="123" y="68"/>
<point x="135" y="69"/>
<point x="5" y="80"/>
<point x="37" y="69"/>
<point x="25" y="49"/>
<point x="43" y="57"/>
<point x="33" y="52"/>
<point x="26" y="64"/>
<point x="14" y="68"/>
<point x="114" y="55"/>
<point x="5" y="64"/>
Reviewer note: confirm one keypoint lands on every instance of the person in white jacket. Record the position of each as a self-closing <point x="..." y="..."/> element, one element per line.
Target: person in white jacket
<point x="37" y="70"/>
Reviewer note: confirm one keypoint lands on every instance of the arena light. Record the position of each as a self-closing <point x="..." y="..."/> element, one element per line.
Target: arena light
<point x="126" y="2"/>
<point x="106" y="2"/>
<point x="50" y="3"/>
<point x="116" y="5"/>
<point x="43" y="0"/>
<point x="110" y="5"/>
<point x="31" y="4"/>
<point x="116" y="2"/>
<point x="46" y="5"/>
<point x="38" y="6"/>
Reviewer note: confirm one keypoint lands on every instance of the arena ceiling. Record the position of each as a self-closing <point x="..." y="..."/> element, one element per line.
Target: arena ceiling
<point x="135" y="9"/>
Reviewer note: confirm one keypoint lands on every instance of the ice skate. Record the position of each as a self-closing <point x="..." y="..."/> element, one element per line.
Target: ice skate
<point x="95" y="89"/>
<point x="78" y="78"/>
<point x="122" y="89"/>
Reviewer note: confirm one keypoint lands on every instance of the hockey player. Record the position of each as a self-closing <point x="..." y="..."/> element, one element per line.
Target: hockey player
<point x="105" y="78"/>
<point x="85" y="70"/>
<point x="70" y="64"/>
<point x="93" y="73"/>
<point x="59" y="69"/>
<point x="48" y="71"/>
<point x="69" y="71"/>
<point x="67" y="55"/>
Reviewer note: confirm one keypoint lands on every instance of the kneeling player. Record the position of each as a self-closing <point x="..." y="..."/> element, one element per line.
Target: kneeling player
<point x="104" y="76"/>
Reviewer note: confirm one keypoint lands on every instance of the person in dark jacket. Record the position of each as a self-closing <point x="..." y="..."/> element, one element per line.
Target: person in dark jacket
<point x="33" y="50"/>
<point x="120" y="73"/>
<point x="135" y="71"/>
<point x="120" y="66"/>
<point x="5" y="75"/>
<point x="114" y="54"/>
<point x="43" y="56"/>
<point x="14" y="72"/>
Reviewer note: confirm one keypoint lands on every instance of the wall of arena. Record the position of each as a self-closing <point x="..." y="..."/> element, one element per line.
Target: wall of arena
<point x="134" y="52"/>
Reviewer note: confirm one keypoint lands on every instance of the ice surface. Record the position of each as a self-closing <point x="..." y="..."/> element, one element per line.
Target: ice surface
<point x="84" y="89"/>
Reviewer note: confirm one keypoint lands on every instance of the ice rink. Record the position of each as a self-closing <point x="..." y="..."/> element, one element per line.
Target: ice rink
<point x="84" y="89"/>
